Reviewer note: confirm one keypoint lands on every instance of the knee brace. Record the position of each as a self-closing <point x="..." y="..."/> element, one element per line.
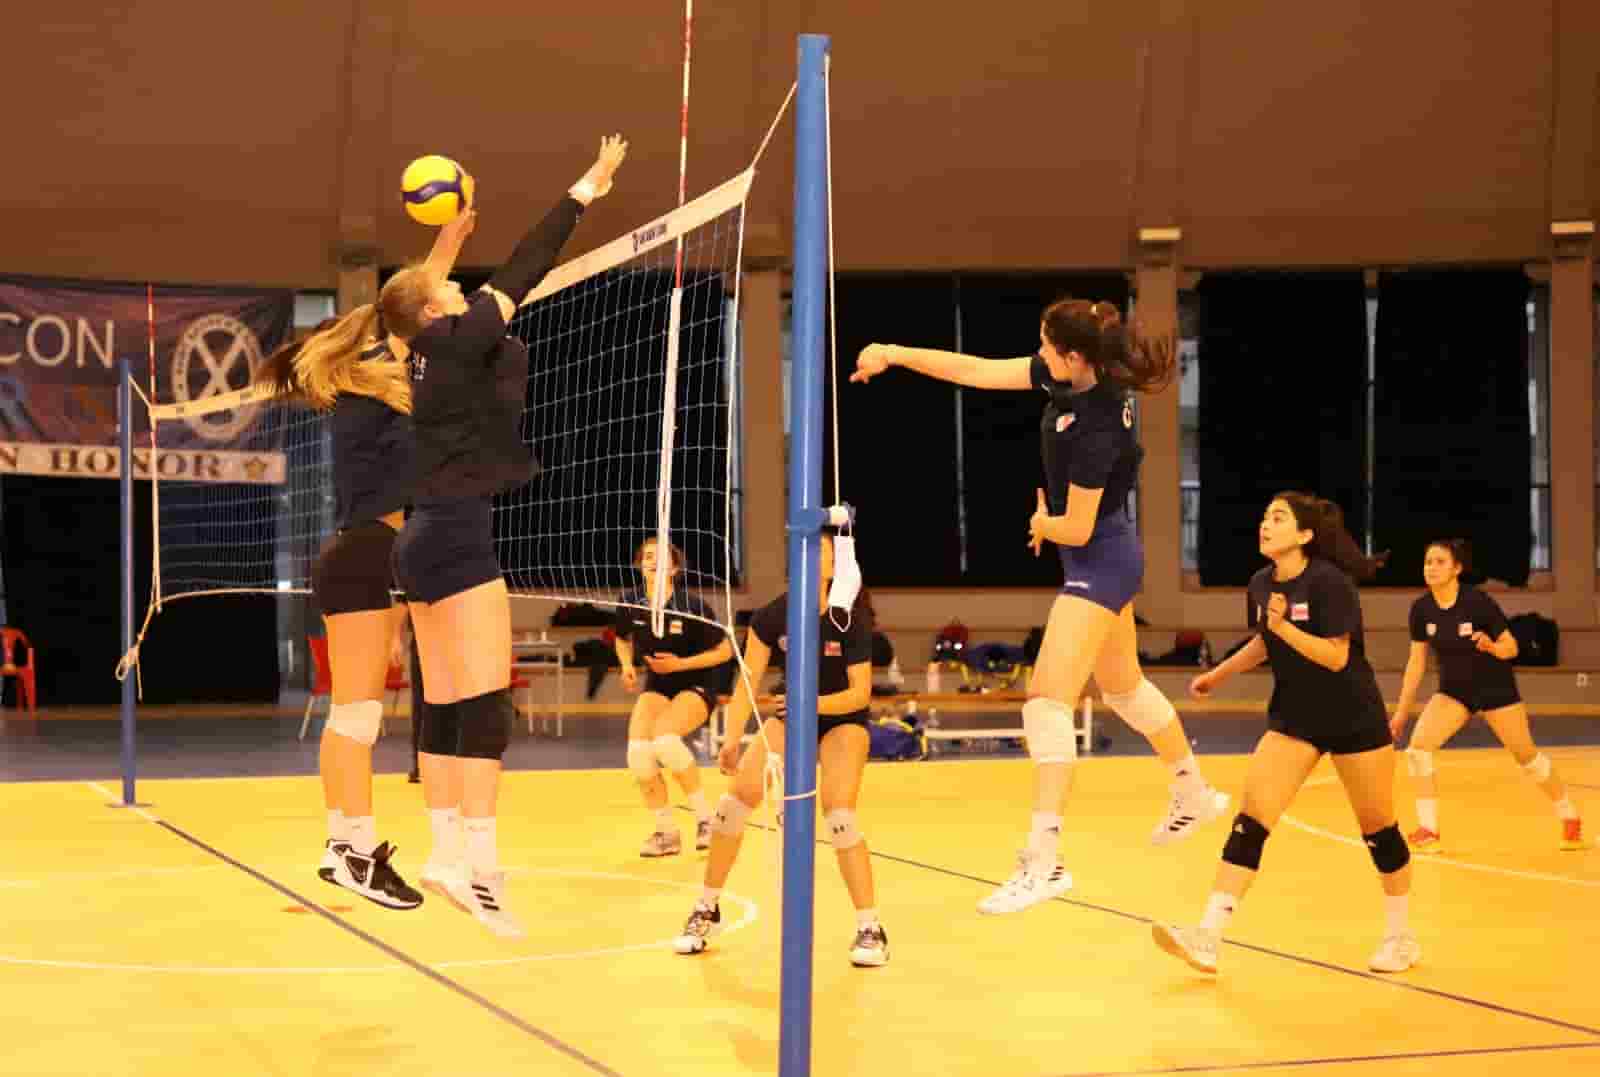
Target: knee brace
<point x="485" y="725"/>
<point x="1047" y="725"/>
<point x="441" y="729"/>
<point x="1145" y="708"/>
<point x="1538" y="768"/>
<point x="673" y="753"/>
<point x="732" y="814"/>
<point x="642" y="760"/>
<point x="842" y="828"/>
<point x="1245" y="842"/>
<point x="1389" y="850"/>
<point x="1419" y="762"/>
<point x="359" y="722"/>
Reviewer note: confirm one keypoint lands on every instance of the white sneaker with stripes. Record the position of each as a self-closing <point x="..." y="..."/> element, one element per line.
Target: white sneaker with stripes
<point x="1187" y="814"/>
<point x="488" y="903"/>
<point x="1031" y="884"/>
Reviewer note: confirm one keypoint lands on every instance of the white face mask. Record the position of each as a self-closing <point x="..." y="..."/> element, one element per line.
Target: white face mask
<point x="846" y="574"/>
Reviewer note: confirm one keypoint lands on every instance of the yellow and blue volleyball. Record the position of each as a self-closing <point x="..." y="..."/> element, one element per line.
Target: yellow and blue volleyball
<point x="435" y="189"/>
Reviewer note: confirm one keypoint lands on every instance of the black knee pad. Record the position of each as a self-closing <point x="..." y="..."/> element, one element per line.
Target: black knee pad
<point x="1389" y="850"/>
<point x="1245" y="843"/>
<point x="485" y="725"/>
<point x="441" y="729"/>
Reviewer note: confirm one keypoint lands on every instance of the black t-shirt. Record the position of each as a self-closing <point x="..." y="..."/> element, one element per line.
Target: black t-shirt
<point x="374" y="456"/>
<point x="1087" y="440"/>
<point x="1450" y="632"/>
<point x="468" y="383"/>
<point x="1322" y="601"/>
<point x="839" y="650"/>
<point x="685" y="635"/>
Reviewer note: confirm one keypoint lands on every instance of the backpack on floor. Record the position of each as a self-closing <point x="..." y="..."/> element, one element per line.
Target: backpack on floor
<point x="895" y="738"/>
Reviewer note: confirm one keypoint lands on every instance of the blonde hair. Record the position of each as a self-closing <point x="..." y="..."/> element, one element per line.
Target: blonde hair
<point x="328" y="364"/>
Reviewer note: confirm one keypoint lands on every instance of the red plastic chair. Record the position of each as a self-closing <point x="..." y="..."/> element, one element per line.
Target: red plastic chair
<point x="27" y="695"/>
<point x="322" y="678"/>
<point x="397" y="680"/>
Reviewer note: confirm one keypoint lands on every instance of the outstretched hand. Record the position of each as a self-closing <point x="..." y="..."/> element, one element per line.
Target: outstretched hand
<point x="873" y="360"/>
<point x="613" y="150"/>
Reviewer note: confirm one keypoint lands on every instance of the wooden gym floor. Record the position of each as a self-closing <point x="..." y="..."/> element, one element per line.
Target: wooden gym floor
<point x="193" y="937"/>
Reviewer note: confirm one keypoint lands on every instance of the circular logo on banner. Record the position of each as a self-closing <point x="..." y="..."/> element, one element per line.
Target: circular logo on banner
<point x="216" y="354"/>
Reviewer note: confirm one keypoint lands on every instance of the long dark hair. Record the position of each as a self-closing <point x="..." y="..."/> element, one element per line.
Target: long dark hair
<point x="1330" y="539"/>
<point x="1121" y="354"/>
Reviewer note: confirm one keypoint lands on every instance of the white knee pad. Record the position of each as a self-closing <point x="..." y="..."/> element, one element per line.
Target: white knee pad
<point x="1048" y="725"/>
<point x="642" y="760"/>
<point x="1419" y="763"/>
<point x="1538" y="768"/>
<point x="842" y="828"/>
<point x="673" y="753"/>
<point x="359" y="722"/>
<point x="1145" y="708"/>
<point x="732" y="814"/>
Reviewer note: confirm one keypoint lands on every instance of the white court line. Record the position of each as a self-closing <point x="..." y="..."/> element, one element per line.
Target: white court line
<point x="749" y="916"/>
<point x="1433" y="858"/>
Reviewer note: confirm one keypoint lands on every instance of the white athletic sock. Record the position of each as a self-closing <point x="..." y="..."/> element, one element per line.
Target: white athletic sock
<point x="866" y="917"/>
<point x="447" y="847"/>
<point x="1219" y="910"/>
<point x="1044" y="838"/>
<point x="1428" y="813"/>
<point x="362" y="833"/>
<point x="664" y="824"/>
<point x="1186" y="776"/>
<point x="482" y="856"/>
<point x="697" y="803"/>
<point x="1566" y="809"/>
<point x="1396" y="914"/>
<point x="709" y="896"/>
<point x="337" y="830"/>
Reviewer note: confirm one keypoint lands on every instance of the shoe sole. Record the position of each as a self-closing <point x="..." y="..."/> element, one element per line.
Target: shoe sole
<point x="1394" y="972"/>
<point x="1054" y="893"/>
<point x="1169" y="942"/>
<point x="875" y="962"/>
<point x="659" y="856"/>
<point x="383" y="901"/>
<point x="434" y="887"/>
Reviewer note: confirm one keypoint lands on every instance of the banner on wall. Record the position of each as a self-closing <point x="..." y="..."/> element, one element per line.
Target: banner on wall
<point x="60" y="346"/>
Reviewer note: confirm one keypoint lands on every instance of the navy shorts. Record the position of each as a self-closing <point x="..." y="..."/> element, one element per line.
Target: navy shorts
<point x="352" y="573"/>
<point x="827" y="723"/>
<point x="1479" y="698"/>
<point x="671" y="684"/>
<point x="1109" y="569"/>
<point x="1346" y="739"/>
<point x="447" y="547"/>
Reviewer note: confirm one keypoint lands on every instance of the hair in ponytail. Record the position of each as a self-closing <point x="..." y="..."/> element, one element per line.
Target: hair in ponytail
<point x="328" y="363"/>
<point x="1330" y="539"/>
<point x="1119" y="353"/>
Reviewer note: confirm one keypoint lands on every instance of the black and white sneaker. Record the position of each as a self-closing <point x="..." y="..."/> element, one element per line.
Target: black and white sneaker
<point x="331" y="852"/>
<point x="703" y="923"/>
<point x="488" y="897"/>
<point x="871" y="948"/>
<point x="374" y="879"/>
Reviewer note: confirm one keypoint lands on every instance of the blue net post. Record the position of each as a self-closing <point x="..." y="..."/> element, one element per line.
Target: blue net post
<point x="806" y="517"/>
<point x="129" y="682"/>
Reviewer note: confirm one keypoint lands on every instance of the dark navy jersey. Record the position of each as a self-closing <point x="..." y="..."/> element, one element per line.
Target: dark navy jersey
<point x="374" y="463"/>
<point x="684" y="635"/>
<point x="1087" y="440"/>
<point x="839" y="649"/>
<point x="468" y="384"/>
<point x="1322" y="601"/>
<point x="1449" y="632"/>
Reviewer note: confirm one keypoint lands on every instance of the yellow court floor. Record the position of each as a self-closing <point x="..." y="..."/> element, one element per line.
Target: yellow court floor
<point x="193" y="937"/>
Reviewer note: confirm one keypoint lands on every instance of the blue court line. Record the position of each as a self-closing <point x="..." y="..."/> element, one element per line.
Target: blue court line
<point x="1234" y="1067"/>
<point x="1311" y="961"/>
<point x="416" y="966"/>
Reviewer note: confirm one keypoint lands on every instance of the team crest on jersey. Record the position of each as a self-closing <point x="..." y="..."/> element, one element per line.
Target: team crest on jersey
<point x="675" y="628"/>
<point x="1064" y="421"/>
<point x="783" y="643"/>
<point x="1300" y="611"/>
<point x="1464" y="629"/>
<point x="832" y="649"/>
<point x="1127" y="414"/>
<point x="1432" y="628"/>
